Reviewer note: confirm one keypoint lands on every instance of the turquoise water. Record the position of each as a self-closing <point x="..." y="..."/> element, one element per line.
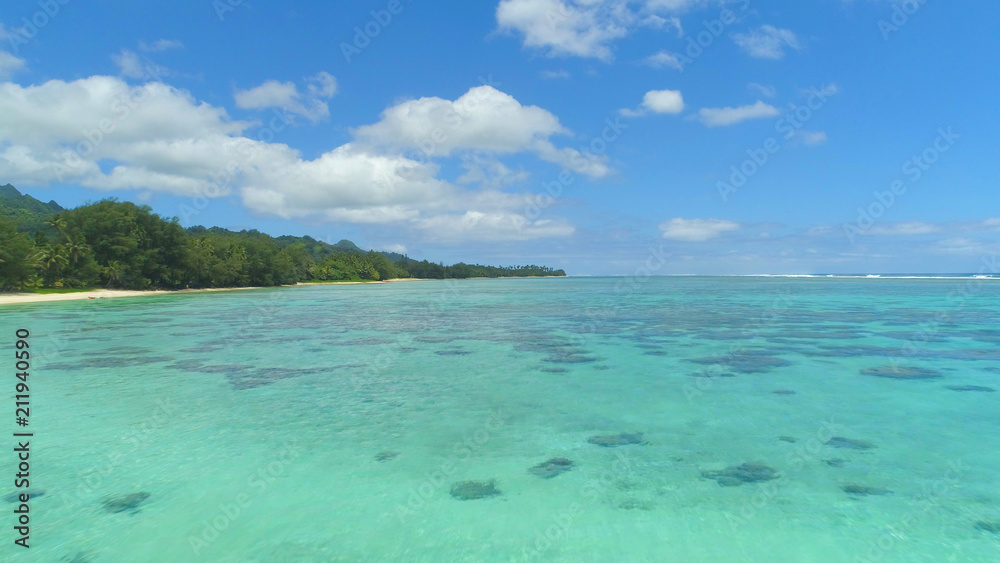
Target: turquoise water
<point x="330" y="423"/>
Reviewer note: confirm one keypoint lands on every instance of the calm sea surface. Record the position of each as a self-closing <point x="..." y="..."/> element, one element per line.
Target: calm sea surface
<point x="669" y="419"/>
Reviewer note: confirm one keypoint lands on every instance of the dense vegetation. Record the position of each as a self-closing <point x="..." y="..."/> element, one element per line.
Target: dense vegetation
<point x="26" y="213"/>
<point x="124" y="245"/>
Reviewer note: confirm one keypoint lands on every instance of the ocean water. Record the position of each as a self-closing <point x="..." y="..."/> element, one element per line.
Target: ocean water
<point x="331" y="423"/>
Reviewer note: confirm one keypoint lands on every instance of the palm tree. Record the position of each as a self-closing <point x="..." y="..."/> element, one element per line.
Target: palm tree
<point x="18" y="262"/>
<point x="202" y="258"/>
<point x="76" y="249"/>
<point x="59" y="225"/>
<point x="113" y="271"/>
<point x="238" y="254"/>
<point x="53" y="260"/>
<point x="135" y="230"/>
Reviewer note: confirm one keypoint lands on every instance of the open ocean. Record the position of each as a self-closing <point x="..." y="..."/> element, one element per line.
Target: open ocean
<point x="688" y="419"/>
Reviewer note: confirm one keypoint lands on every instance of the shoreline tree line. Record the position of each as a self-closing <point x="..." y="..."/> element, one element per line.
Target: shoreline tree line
<point x="122" y="245"/>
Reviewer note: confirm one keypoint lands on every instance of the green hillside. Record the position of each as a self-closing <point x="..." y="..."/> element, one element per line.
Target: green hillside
<point x="25" y="212"/>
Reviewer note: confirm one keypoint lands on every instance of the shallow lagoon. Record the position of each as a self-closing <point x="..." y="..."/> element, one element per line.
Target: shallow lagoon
<point x="693" y="419"/>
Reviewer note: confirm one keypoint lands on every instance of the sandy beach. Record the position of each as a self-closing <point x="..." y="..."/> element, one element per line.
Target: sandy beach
<point x="13" y="298"/>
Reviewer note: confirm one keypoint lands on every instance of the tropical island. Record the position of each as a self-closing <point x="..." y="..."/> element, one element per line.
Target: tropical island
<point x="121" y="245"/>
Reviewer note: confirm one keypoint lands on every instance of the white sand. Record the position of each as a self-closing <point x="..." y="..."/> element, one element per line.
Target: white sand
<point x="11" y="298"/>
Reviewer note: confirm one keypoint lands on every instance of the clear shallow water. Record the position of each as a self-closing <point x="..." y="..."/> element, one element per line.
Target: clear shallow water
<point x="195" y="400"/>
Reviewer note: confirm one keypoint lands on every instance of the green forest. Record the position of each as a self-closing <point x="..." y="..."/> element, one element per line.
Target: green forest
<point x="117" y="244"/>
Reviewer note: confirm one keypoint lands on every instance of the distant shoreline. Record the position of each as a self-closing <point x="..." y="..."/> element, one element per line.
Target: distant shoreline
<point x="13" y="298"/>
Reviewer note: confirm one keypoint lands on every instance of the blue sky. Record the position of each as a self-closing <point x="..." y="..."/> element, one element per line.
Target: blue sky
<point x="603" y="137"/>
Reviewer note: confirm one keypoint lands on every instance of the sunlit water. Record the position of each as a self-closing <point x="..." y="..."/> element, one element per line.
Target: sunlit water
<point x="330" y="423"/>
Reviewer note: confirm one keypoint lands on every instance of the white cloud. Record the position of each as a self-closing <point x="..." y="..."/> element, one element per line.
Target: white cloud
<point x="766" y="91"/>
<point x="269" y="94"/>
<point x="161" y="45"/>
<point x="663" y="101"/>
<point x="351" y="184"/>
<point x="903" y="229"/>
<point x="102" y="133"/>
<point x="9" y="64"/>
<point x="572" y="159"/>
<point x="397" y="248"/>
<point x="584" y="28"/>
<point x="554" y="74"/>
<point x="133" y="65"/>
<point x="475" y="225"/>
<point x="917" y="228"/>
<point x="345" y="183"/>
<point x="483" y="119"/>
<point x="564" y="28"/>
<point x="58" y="112"/>
<point x="489" y="172"/>
<point x="810" y="138"/>
<point x="966" y="246"/>
<point x="285" y="95"/>
<point x="129" y="64"/>
<point x="821" y="231"/>
<point x="663" y="59"/>
<point x="721" y="117"/>
<point x="830" y="89"/>
<point x="659" y="22"/>
<point x="321" y="85"/>
<point x="159" y="136"/>
<point x="767" y="42"/>
<point x="658" y="101"/>
<point x="696" y="230"/>
<point x="673" y="5"/>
